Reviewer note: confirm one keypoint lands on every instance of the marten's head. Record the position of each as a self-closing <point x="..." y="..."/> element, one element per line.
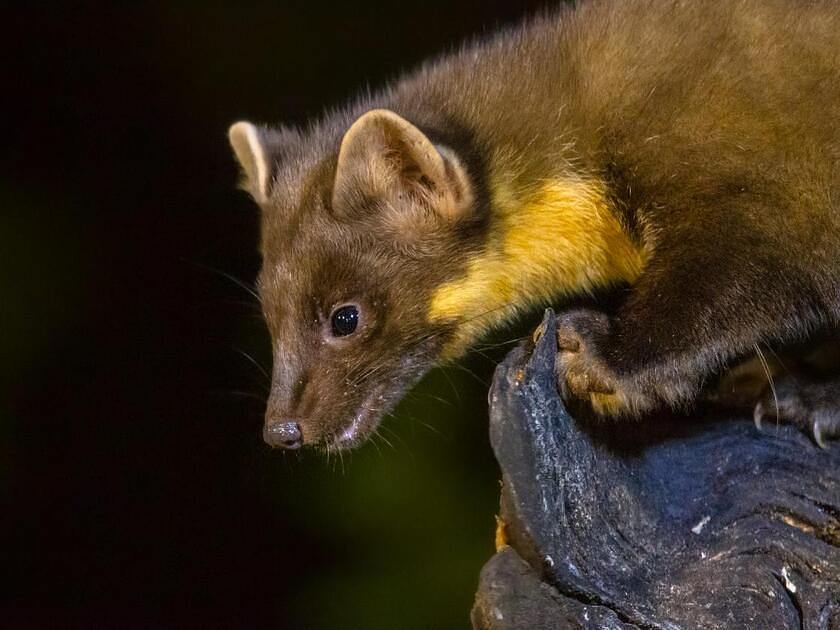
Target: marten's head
<point x="361" y="227"/>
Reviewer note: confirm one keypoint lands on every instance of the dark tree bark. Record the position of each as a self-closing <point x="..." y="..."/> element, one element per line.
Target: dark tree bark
<point x="685" y="523"/>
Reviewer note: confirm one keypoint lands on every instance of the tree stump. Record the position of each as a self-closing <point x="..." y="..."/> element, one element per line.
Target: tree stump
<point x="692" y="523"/>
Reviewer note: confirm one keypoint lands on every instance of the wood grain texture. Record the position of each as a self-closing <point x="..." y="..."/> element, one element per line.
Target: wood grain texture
<point x="692" y="523"/>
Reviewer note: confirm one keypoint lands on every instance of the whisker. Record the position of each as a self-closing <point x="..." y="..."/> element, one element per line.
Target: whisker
<point x="766" y="368"/>
<point x="779" y="359"/>
<point x="480" y="380"/>
<point x="431" y="428"/>
<point x="341" y="461"/>
<point x="500" y="344"/>
<point x="397" y="436"/>
<point x="373" y="437"/>
<point x="384" y="439"/>
<point x="255" y="309"/>
<point x="240" y="283"/>
<point x="484" y="356"/>
<point x="445" y="371"/>
<point x="448" y="403"/>
<point x="238" y="392"/>
<point x="394" y="434"/>
<point x="413" y="395"/>
<point x="253" y="362"/>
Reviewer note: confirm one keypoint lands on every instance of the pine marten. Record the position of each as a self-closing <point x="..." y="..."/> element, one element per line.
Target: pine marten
<point x="686" y="151"/>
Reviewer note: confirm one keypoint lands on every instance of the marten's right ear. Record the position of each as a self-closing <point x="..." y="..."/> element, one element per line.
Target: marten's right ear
<point x="383" y="156"/>
<point x="250" y="146"/>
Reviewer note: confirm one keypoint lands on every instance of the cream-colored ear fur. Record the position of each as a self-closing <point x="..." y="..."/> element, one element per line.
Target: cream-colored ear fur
<point x="248" y="146"/>
<point x="384" y="155"/>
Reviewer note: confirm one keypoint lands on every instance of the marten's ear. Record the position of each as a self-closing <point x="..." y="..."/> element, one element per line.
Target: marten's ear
<point x="384" y="156"/>
<point x="250" y="146"/>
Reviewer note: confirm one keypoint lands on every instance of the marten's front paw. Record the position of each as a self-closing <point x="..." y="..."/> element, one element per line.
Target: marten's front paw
<point x="582" y="373"/>
<point x="813" y="406"/>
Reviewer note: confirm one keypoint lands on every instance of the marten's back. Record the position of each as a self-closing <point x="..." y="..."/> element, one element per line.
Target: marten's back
<point x="727" y="120"/>
<point x="723" y="118"/>
<point x="697" y="70"/>
<point x="747" y="85"/>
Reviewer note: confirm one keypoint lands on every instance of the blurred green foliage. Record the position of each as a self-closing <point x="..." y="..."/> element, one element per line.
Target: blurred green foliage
<point x="408" y="526"/>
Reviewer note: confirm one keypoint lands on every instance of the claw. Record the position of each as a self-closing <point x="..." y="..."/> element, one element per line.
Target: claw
<point x="578" y="384"/>
<point x="817" y="434"/>
<point x="567" y="342"/>
<point x="818" y="437"/>
<point x="810" y="406"/>
<point x="597" y="386"/>
<point x="758" y="415"/>
<point x="584" y="384"/>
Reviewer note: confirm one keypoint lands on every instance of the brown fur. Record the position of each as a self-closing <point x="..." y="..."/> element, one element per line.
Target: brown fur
<point x="713" y="127"/>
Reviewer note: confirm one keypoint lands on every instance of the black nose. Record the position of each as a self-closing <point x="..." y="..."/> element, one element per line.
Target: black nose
<point x="283" y="435"/>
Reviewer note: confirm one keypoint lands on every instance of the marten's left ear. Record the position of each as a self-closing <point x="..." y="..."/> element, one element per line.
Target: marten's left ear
<point x="384" y="156"/>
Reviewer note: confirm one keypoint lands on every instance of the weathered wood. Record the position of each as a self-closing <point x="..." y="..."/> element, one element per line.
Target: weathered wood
<point x="707" y="523"/>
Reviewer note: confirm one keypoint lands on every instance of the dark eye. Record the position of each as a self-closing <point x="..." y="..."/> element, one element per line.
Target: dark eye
<point x="344" y="320"/>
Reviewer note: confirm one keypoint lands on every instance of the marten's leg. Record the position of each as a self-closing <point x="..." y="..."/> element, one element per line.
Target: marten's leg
<point x="699" y="304"/>
<point x="799" y="385"/>
<point x="812" y="405"/>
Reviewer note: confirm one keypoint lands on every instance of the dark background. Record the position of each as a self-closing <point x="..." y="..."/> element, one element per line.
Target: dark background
<point x="136" y="489"/>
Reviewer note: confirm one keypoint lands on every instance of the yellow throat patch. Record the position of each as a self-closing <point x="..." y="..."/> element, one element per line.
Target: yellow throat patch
<point x="563" y="239"/>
